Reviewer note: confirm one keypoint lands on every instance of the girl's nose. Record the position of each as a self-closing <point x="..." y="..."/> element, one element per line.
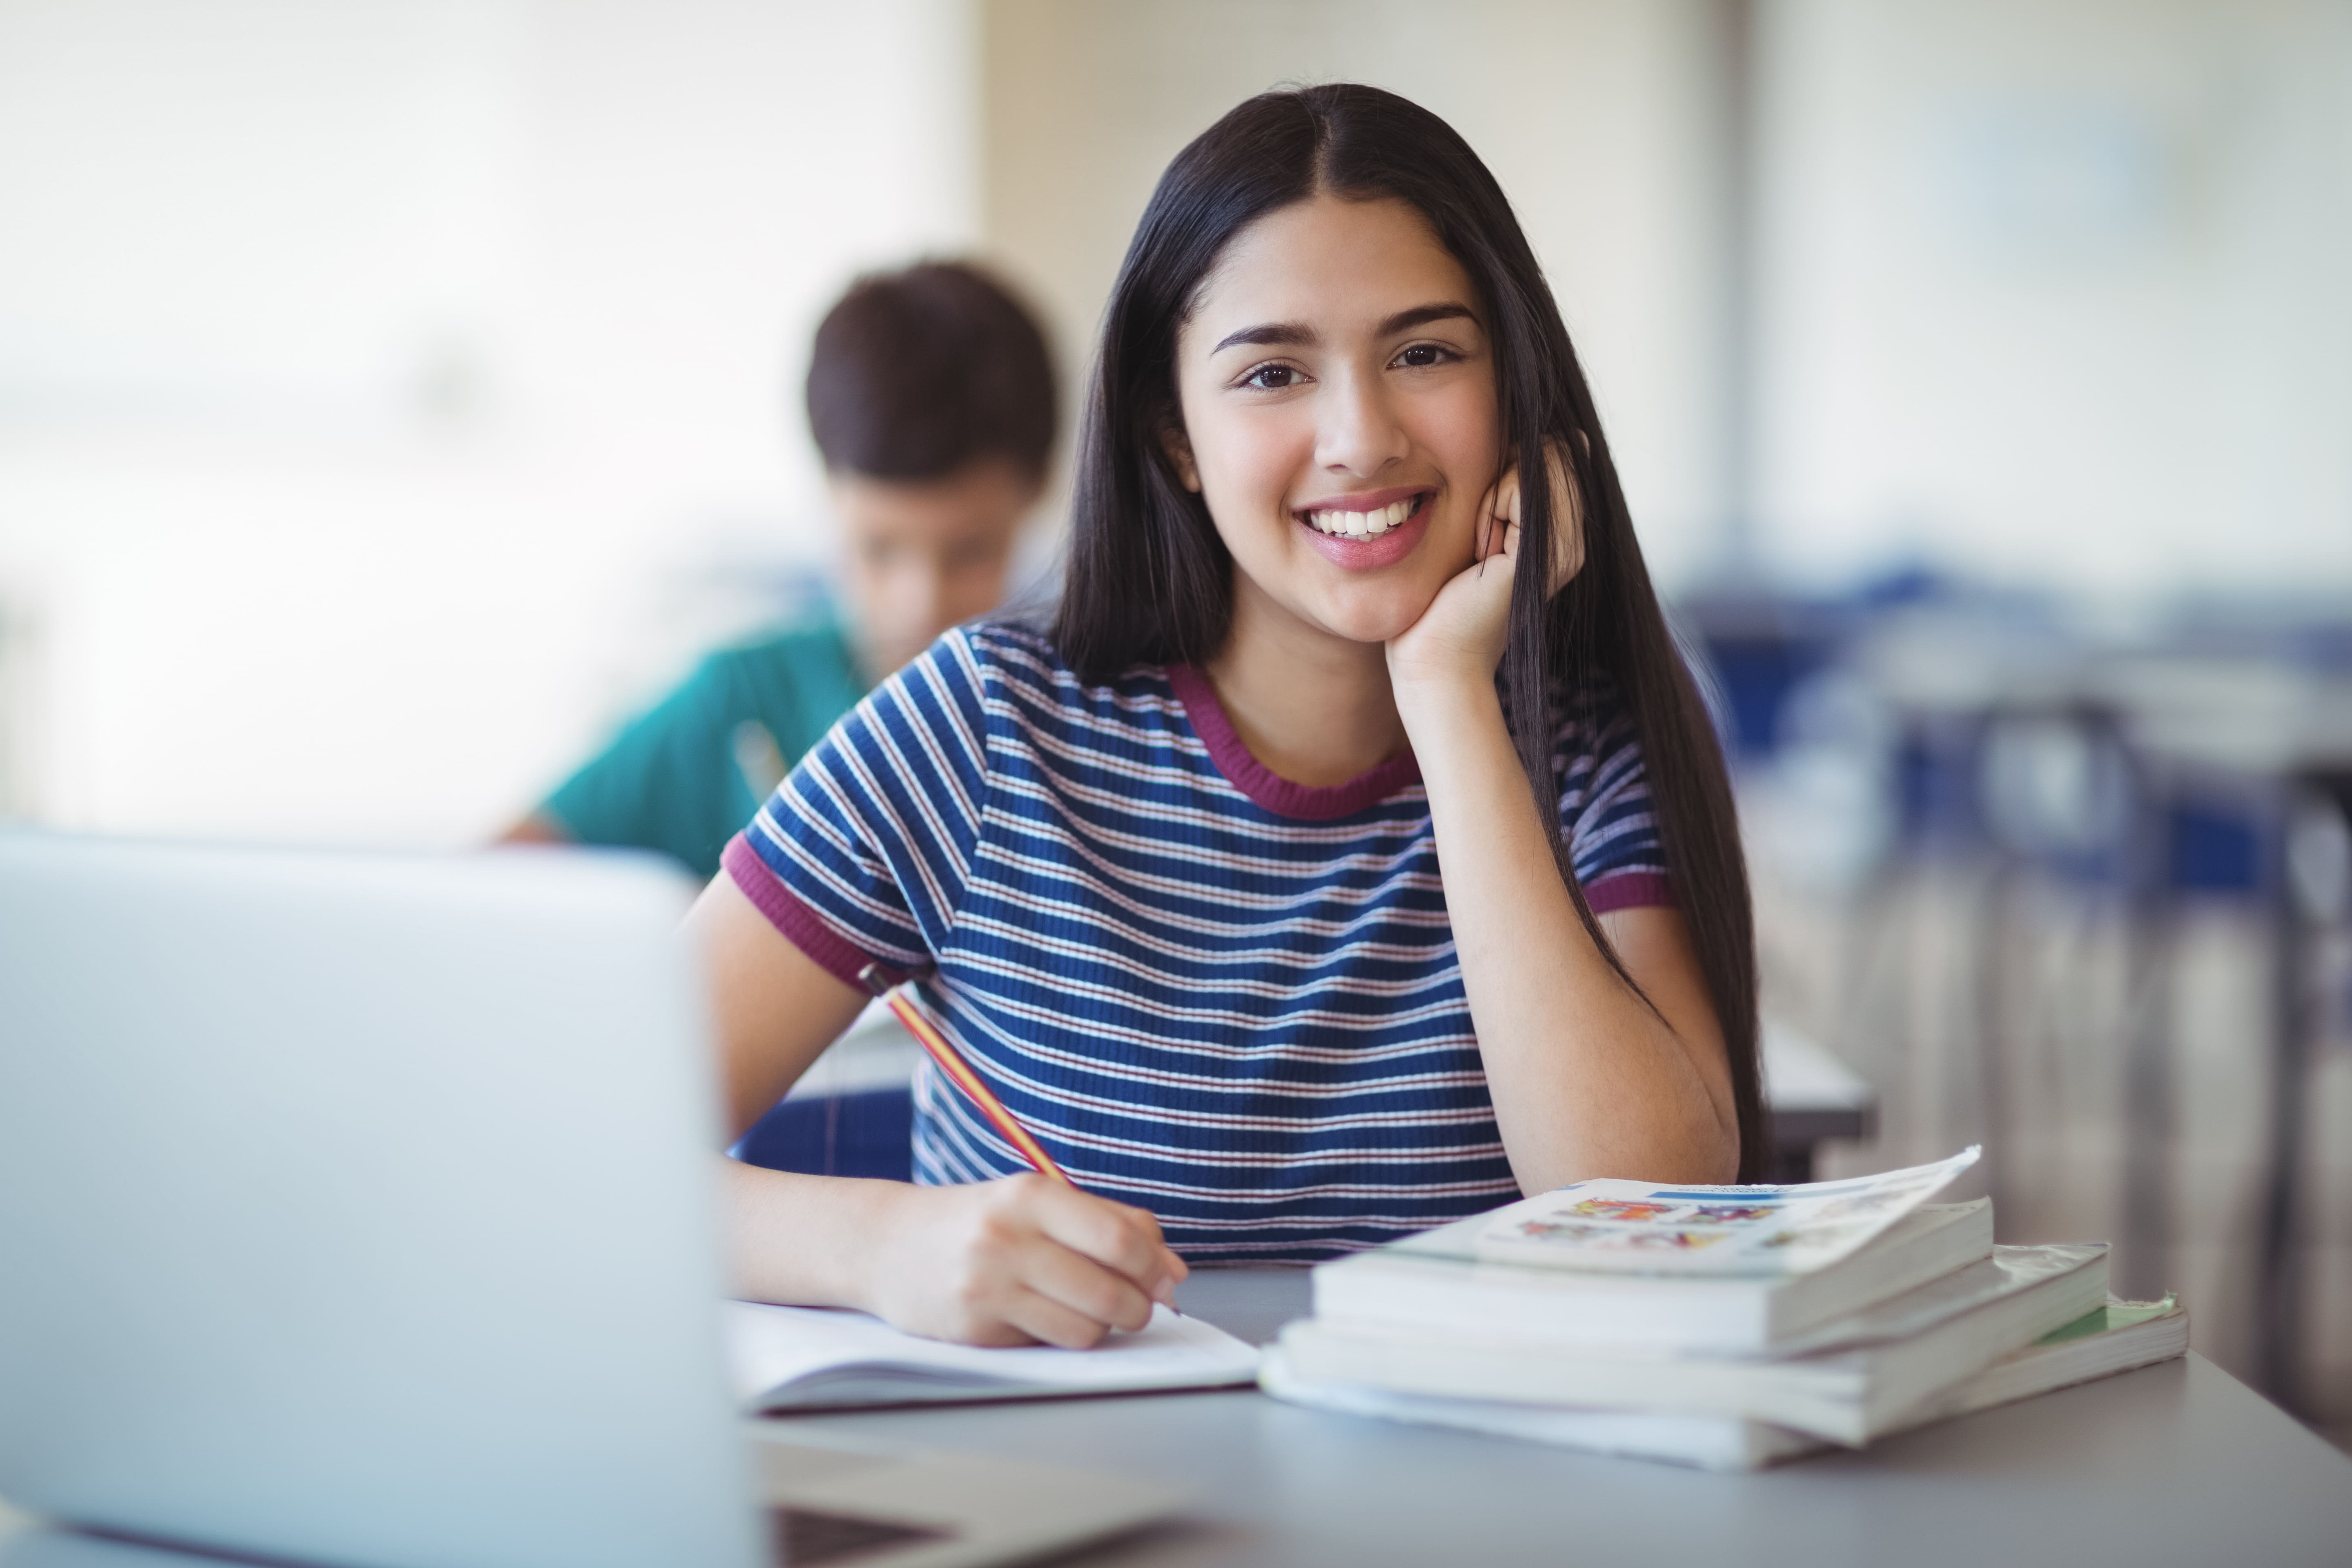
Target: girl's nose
<point x="1357" y="431"/>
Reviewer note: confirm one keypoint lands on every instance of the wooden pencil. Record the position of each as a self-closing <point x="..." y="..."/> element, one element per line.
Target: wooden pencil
<point x="959" y="1072"/>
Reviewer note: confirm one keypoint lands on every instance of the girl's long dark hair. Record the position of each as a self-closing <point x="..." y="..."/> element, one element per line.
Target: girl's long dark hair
<point x="1149" y="580"/>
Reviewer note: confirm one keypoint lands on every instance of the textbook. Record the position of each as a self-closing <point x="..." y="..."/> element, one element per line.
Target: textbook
<point x="797" y="1359"/>
<point x="2115" y="1338"/>
<point x="1640" y="1227"/>
<point x="1434" y="1281"/>
<point x="1859" y="1376"/>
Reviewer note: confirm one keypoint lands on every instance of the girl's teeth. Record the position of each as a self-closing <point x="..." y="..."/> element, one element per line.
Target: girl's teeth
<point x="1364" y="525"/>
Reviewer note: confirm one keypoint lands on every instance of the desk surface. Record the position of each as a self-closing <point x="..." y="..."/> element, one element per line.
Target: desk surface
<point x="2175" y="1464"/>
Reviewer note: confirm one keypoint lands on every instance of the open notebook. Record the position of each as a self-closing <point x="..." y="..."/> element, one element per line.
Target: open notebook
<point x="802" y="1359"/>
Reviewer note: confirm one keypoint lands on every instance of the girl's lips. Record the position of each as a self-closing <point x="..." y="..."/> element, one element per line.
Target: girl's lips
<point x="1370" y="500"/>
<point x="1369" y="554"/>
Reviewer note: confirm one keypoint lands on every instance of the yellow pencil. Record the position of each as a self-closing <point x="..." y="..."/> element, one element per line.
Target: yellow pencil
<point x="960" y="1073"/>
<point x="950" y="1061"/>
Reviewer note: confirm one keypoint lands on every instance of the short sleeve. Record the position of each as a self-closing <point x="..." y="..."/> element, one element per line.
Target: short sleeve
<point x="863" y="853"/>
<point x="1605" y="812"/>
<point x="667" y="782"/>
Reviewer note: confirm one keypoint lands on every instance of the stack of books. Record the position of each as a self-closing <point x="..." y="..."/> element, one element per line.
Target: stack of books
<point x="1725" y="1327"/>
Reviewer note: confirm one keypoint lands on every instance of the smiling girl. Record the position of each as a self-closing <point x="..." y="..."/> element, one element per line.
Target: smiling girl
<point x="1350" y="853"/>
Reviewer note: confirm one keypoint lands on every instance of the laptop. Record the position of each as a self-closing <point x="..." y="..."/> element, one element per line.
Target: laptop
<point x="359" y="1210"/>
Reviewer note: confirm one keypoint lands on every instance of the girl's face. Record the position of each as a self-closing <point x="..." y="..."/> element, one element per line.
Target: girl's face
<point x="1339" y="414"/>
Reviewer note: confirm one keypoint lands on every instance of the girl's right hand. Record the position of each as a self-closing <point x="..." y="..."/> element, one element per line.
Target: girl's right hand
<point x="1015" y="1261"/>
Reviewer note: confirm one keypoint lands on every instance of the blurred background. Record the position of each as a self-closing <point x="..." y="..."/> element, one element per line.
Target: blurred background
<point x="395" y="393"/>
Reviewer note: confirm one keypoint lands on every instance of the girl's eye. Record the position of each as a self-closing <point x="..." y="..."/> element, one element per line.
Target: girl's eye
<point x="1271" y="377"/>
<point x="1423" y="354"/>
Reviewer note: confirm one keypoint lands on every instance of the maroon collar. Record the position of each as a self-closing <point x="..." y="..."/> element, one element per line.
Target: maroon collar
<point x="1316" y="803"/>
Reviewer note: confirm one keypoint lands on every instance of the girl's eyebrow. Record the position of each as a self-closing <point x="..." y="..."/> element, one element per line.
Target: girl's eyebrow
<point x="1288" y="334"/>
<point x="1421" y="315"/>
<point x="1298" y="334"/>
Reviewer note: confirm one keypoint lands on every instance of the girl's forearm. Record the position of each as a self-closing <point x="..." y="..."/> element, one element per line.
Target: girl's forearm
<point x="1587" y="1080"/>
<point x="800" y="1239"/>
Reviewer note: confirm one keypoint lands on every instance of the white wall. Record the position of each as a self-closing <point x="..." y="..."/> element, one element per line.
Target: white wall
<point x="379" y="378"/>
<point x="2055" y="294"/>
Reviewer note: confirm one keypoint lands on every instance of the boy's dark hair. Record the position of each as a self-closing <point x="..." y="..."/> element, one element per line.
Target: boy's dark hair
<point x="918" y="373"/>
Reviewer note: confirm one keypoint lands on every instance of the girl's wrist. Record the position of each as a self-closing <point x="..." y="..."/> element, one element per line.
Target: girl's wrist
<point x="1438" y="711"/>
<point x="883" y="1205"/>
<point x="1442" y="688"/>
<point x="1440" y="672"/>
<point x="1436" y="687"/>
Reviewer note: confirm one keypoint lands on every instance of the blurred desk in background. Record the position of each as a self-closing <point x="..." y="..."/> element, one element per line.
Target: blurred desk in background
<point x="1810" y="1097"/>
<point x="2278" y="739"/>
<point x="2024" y="829"/>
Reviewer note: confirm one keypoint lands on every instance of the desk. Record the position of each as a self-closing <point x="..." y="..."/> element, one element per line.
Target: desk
<point x="1810" y="1097"/>
<point x="2176" y="1464"/>
<point x="2286" y="734"/>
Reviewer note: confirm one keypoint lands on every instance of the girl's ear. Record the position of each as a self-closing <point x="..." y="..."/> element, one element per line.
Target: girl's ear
<point x="1567" y="508"/>
<point x="1178" y="446"/>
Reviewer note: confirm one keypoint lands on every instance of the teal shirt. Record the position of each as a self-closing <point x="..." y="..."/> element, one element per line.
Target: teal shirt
<point x="687" y="774"/>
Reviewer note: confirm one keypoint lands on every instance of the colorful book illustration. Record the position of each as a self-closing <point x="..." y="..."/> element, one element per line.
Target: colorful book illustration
<point x="1639" y="1227"/>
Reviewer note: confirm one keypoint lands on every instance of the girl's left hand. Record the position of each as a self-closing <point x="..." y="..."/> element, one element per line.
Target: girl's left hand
<point x="1460" y="636"/>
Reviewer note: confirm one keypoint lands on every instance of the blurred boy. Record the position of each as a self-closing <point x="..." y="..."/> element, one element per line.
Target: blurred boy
<point x="931" y="395"/>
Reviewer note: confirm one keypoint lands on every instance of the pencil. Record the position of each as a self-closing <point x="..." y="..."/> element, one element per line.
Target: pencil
<point x="960" y="1073"/>
<point x="877" y="980"/>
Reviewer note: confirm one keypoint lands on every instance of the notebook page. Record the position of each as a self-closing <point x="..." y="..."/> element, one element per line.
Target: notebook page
<point x="769" y="1347"/>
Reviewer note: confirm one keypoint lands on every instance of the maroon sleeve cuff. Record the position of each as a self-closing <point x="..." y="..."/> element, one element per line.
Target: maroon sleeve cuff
<point x="798" y="922"/>
<point x="1627" y="891"/>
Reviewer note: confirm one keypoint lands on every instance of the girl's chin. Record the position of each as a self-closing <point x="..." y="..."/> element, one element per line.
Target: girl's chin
<point x="1370" y="618"/>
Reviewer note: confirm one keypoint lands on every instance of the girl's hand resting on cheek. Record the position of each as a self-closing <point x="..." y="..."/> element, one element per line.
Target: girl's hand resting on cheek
<point x="1459" y="639"/>
<point x="1015" y="1261"/>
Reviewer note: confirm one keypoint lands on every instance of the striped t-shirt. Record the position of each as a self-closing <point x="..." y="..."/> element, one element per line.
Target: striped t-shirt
<point x="1208" y="992"/>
